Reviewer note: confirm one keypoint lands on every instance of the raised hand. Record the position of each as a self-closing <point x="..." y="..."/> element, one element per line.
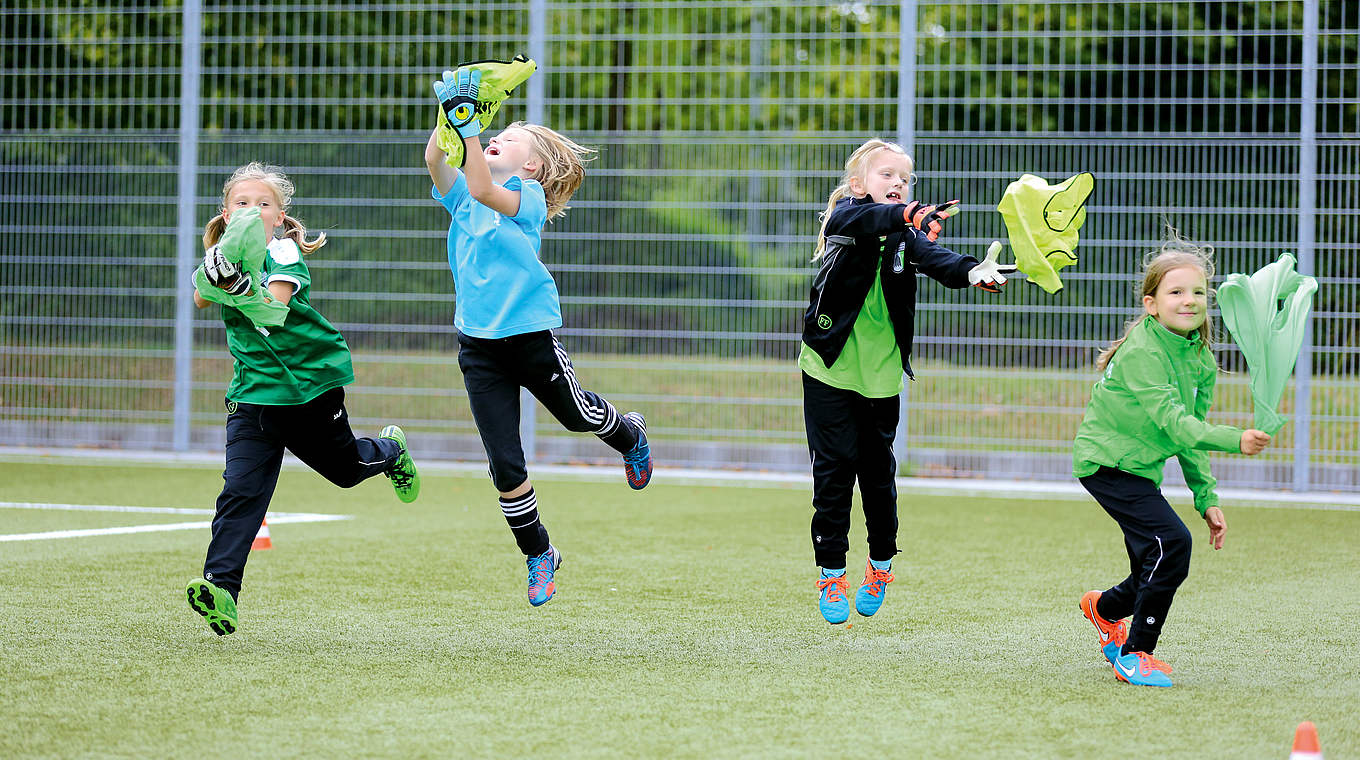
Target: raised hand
<point x="457" y="93"/>
<point x="224" y="274"/>
<point x="930" y="219"/>
<point x="988" y="275"/>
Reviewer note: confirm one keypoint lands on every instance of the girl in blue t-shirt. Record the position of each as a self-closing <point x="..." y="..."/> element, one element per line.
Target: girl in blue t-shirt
<point x="507" y="308"/>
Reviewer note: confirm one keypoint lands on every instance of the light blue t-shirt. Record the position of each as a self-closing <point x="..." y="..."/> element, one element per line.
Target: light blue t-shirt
<point x="502" y="288"/>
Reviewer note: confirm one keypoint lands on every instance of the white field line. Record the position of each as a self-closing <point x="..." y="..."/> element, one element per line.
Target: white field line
<point x="975" y="487"/>
<point x="277" y="518"/>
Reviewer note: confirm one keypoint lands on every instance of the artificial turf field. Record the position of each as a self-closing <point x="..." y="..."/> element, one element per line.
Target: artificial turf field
<point x="684" y="625"/>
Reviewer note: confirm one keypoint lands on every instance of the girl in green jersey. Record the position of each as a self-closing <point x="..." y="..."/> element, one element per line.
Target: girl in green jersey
<point x="287" y="387"/>
<point x="1148" y="406"/>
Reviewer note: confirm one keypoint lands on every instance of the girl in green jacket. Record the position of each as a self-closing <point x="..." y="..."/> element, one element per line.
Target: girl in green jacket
<point x="1148" y="406"/>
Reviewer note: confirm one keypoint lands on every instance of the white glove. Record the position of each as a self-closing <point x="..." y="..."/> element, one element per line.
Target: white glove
<point x="988" y="275"/>
<point x="224" y="274"/>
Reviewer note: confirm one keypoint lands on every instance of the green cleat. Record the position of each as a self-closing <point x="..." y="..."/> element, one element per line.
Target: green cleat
<point x="405" y="479"/>
<point x="214" y="604"/>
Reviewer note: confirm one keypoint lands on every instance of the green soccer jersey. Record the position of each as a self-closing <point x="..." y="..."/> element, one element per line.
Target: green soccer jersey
<point x="1149" y="406"/>
<point x="295" y="362"/>
<point x="871" y="362"/>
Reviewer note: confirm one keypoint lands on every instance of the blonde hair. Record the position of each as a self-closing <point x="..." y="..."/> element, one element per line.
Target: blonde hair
<point x="562" y="165"/>
<point x="856" y="167"/>
<point x="277" y="181"/>
<point x="1175" y="253"/>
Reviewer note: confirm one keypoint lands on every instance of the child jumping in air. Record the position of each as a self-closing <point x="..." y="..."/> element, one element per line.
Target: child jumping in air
<point x="1149" y="405"/>
<point x="508" y="306"/>
<point x="857" y="334"/>
<point x="287" y="387"/>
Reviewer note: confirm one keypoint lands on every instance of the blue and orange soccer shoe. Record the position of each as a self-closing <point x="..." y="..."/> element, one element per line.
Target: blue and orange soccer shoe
<point x="637" y="463"/>
<point x="541" y="570"/>
<point x="1142" y="669"/>
<point x="869" y="597"/>
<point x="1112" y="635"/>
<point x="832" y="599"/>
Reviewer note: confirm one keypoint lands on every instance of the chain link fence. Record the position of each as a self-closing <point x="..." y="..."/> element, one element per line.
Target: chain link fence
<point x="684" y="262"/>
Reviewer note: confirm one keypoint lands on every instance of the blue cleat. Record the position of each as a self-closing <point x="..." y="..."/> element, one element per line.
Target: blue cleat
<point x="1141" y="669"/>
<point x="832" y="599"/>
<point x="1112" y="634"/>
<point x="869" y="597"/>
<point x="541" y="569"/>
<point x="637" y="463"/>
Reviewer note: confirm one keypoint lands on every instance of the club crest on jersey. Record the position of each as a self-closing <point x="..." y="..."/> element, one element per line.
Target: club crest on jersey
<point x="824" y="321"/>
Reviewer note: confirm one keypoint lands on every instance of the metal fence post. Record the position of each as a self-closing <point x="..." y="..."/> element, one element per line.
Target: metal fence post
<point x="906" y="136"/>
<point x="186" y="243"/>
<point x="1307" y="237"/>
<point x="538" y="51"/>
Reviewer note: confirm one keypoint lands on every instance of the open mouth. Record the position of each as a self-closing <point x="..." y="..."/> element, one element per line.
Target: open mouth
<point x="893" y="195"/>
<point x="493" y="150"/>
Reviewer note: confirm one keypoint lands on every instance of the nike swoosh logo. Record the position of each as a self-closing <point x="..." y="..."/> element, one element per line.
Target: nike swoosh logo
<point x="1128" y="672"/>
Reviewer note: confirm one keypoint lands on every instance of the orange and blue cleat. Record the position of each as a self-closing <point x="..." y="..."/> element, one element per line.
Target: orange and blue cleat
<point x="1141" y="669"/>
<point x="637" y="462"/>
<point x="831" y="598"/>
<point x="541" y="570"/>
<point x="869" y="597"/>
<point x="1112" y="635"/>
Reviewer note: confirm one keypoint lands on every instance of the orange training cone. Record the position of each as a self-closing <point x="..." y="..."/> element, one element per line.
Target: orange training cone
<point x="1306" y="746"/>
<point x="262" y="538"/>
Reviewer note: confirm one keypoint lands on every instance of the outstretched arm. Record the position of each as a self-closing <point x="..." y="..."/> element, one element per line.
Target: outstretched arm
<point x="443" y="175"/>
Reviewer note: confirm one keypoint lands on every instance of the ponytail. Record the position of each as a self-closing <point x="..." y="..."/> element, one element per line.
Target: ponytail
<point x="292" y="228"/>
<point x="841" y="192"/>
<point x="277" y="181"/>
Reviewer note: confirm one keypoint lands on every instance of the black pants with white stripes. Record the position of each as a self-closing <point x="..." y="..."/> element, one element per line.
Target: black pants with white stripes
<point x="850" y="438"/>
<point x="316" y="432"/>
<point x="1158" y="544"/>
<point x="494" y="369"/>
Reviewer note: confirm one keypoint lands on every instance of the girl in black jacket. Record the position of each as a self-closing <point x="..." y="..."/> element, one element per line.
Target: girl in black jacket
<point x="857" y="334"/>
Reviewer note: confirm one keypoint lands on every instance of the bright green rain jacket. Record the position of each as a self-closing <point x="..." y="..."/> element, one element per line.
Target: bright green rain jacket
<point x="1150" y="406"/>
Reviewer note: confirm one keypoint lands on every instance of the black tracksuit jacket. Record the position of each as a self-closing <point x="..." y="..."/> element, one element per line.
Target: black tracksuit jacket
<point x="862" y="235"/>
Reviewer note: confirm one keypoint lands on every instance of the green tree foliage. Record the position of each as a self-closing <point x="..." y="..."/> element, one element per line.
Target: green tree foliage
<point x="698" y="109"/>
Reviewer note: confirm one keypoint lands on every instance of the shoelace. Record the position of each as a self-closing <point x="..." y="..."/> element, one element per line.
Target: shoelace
<point x="876" y="579"/>
<point x="400" y="475"/>
<point x="1147" y="663"/>
<point x="1155" y="663"/>
<point x="838" y="588"/>
<point x="540" y="571"/>
<point x="637" y="456"/>
<point x="1119" y="633"/>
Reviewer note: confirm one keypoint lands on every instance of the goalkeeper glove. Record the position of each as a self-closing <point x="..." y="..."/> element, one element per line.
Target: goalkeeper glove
<point x="930" y="219"/>
<point x="988" y="275"/>
<point x="224" y="274"/>
<point x="457" y="93"/>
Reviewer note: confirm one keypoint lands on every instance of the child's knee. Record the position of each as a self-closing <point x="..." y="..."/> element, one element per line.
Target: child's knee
<point x="507" y="479"/>
<point x="1176" y="546"/>
<point x="581" y="425"/>
<point x="345" y="479"/>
